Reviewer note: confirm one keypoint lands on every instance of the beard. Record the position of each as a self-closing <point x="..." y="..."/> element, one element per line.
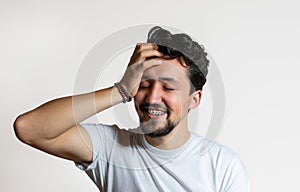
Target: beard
<point x="148" y="127"/>
<point x="156" y="127"/>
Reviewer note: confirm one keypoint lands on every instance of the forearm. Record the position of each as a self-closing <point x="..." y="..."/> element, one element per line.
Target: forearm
<point x="53" y="118"/>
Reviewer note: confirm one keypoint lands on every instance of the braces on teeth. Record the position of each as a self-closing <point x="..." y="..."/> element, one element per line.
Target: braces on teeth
<point x="155" y="112"/>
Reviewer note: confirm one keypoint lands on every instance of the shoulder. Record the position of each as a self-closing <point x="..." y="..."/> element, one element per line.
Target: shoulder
<point x="216" y="153"/>
<point x="226" y="164"/>
<point x="231" y="171"/>
<point x="111" y="134"/>
<point x="98" y="128"/>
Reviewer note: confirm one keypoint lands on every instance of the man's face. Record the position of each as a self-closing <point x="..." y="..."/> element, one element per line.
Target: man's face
<point x="163" y="98"/>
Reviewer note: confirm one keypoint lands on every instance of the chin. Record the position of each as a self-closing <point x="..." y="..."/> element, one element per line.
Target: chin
<point x="148" y="127"/>
<point x="160" y="133"/>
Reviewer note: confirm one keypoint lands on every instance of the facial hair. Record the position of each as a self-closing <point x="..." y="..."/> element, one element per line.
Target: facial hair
<point x="160" y="132"/>
<point x="160" y="127"/>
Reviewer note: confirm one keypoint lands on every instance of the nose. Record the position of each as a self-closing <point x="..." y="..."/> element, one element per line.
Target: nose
<point x="154" y="94"/>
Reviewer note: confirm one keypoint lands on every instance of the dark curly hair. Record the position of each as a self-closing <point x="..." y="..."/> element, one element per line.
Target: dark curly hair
<point x="182" y="45"/>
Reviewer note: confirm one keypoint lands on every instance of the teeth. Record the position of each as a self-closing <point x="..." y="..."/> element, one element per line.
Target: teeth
<point x="155" y="112"/>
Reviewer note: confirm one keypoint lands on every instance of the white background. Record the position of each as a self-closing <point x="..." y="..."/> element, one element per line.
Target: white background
<point x="255" y="44"/>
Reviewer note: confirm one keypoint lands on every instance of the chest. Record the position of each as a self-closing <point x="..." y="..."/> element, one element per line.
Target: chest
<point x="181" y="174"/>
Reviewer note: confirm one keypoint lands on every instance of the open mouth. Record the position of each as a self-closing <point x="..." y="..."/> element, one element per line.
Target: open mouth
<point x="154" y="111"/>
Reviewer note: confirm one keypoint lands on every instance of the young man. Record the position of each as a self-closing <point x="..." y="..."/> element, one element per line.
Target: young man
<point x="165" y="77"/>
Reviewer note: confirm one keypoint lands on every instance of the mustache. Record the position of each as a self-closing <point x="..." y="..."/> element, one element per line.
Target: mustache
<point x="146" y="106"/>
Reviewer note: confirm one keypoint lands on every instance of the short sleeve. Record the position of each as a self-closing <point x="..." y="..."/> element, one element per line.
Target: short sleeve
<point x="236" y="177"/>
<point x="97" y="134"/>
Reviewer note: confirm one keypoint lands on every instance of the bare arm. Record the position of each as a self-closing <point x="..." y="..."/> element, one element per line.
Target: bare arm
<point x="53" y="127"/>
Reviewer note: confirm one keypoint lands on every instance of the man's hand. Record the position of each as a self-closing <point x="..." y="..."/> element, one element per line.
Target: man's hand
<point x="138" y="64"/>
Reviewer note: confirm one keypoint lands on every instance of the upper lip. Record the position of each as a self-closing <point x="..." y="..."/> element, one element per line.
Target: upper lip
<point x="157" y="109"/>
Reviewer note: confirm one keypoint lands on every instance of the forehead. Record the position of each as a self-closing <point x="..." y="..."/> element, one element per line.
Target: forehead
<point x="168" y="69"/>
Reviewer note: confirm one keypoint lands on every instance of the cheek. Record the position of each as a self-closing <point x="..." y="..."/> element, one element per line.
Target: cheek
<point x="178" y="102"/>
<point x="139" y="98"/>
<point x="173" y="101"/>
<point x="139" y="94"/>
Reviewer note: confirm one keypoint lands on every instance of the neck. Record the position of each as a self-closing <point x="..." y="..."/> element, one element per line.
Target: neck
<point x="176" y="138"/>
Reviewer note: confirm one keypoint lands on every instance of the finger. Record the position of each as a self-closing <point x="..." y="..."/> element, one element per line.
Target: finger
<point x="141" y="56"/>
<point x="151" y="63"/>
<point x="146" y="46"/>
<point x="149" y="53"/>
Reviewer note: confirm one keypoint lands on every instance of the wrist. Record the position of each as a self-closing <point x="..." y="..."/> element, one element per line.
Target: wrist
<point x="123" y="92"/>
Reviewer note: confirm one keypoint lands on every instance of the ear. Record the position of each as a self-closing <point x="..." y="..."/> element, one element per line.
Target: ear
<point x="195" y="99"/>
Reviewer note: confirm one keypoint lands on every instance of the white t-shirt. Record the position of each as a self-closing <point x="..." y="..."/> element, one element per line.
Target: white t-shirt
<point x="125" y="161"/>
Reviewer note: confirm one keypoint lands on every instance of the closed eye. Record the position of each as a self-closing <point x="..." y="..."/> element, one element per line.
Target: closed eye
<point x="169" y="88"/>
